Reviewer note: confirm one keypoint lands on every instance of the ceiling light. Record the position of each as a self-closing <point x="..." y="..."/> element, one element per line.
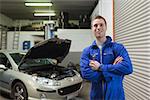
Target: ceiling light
<point x="38" y="4"/>
<point x="44" y="11"/>
<point x="44" y="14"/>
<point x="49" y="22"/>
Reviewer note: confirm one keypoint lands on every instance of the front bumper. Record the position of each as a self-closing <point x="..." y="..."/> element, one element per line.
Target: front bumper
<point x="59" y="94"/>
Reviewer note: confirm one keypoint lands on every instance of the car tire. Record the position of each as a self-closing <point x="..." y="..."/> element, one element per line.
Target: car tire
<point x="19" y="91"/>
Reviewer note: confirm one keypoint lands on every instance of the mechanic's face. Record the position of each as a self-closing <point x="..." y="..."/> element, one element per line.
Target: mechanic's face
<point x="99" y="28"/>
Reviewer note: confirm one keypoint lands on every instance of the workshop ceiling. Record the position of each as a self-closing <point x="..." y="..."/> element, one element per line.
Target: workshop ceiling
<point x="16" y="9"/>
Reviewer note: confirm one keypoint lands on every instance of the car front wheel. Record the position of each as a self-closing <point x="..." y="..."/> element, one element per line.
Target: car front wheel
<point x="19" y="91"/>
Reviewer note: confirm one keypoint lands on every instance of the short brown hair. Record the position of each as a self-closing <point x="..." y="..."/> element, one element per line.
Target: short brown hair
<point x="100" y="17"/>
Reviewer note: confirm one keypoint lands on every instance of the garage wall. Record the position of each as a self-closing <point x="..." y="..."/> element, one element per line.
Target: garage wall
<point x="81" y="38"/>
<point x="4" y="23"/>
<point x="31" y="36"/>
<point x="132" y="28"/>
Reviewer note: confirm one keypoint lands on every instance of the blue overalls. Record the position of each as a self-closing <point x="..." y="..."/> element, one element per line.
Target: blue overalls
<point x="111" y="75"/>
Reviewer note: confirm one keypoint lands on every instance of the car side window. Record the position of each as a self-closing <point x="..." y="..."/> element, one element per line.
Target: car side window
<point x="4" y="60"/>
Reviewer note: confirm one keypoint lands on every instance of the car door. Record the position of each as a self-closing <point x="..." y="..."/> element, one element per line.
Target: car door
<point x="5" y="75"/>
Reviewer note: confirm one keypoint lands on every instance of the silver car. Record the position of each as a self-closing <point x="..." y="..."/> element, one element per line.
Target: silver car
<point x="37" y="74"/>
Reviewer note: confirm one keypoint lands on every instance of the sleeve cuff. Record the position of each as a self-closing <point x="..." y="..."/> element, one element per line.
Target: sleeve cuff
<point x="100" y="67"/>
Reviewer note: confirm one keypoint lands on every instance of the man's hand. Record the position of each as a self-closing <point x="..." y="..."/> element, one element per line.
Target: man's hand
<point x="94" y="64"/>
<point x="118" y="60"/>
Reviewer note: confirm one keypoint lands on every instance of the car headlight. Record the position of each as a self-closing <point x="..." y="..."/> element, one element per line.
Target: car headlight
<point x="77" y="74"/>
<point x="45" y="81"/>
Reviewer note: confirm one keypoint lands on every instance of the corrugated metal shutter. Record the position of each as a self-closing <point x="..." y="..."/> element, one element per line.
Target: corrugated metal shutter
<point x="132" y="28"/>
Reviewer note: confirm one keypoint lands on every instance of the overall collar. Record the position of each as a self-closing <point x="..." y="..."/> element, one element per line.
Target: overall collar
<point x="108" y="41"/>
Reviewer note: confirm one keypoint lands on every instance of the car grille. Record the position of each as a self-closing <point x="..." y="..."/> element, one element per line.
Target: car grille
<point x="69" y="89"/>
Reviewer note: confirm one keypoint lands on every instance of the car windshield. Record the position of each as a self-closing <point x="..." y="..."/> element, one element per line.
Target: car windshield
<point x="17" y="57"/>
<point x="30" y="63"/>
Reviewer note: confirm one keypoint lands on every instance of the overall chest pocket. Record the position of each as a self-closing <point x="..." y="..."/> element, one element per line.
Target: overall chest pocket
<point x="108" y="57"/>
<point x="94" y="56"/>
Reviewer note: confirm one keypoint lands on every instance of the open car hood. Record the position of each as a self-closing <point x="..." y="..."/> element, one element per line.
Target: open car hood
<point x="54" y="48"/>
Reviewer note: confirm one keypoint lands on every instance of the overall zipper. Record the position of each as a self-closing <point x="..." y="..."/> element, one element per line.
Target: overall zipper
<point x="101" y="61"/>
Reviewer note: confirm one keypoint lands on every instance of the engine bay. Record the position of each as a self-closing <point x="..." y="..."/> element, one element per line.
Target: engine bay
<point x="53" y="72"/>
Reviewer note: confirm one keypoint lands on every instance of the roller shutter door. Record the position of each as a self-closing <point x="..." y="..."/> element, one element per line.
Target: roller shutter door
<point x="132" y="28"/>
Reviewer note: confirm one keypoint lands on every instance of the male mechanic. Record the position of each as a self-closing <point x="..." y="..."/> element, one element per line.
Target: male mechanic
<point x="104" y="64"/>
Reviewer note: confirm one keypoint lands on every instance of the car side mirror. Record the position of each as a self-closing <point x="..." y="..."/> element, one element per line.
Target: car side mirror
<point x="3" y="67"/>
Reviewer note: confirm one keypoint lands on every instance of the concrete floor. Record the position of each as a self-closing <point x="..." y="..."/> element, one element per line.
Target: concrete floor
<point x="84" y="93"/>
<point x="4" y="96"/>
